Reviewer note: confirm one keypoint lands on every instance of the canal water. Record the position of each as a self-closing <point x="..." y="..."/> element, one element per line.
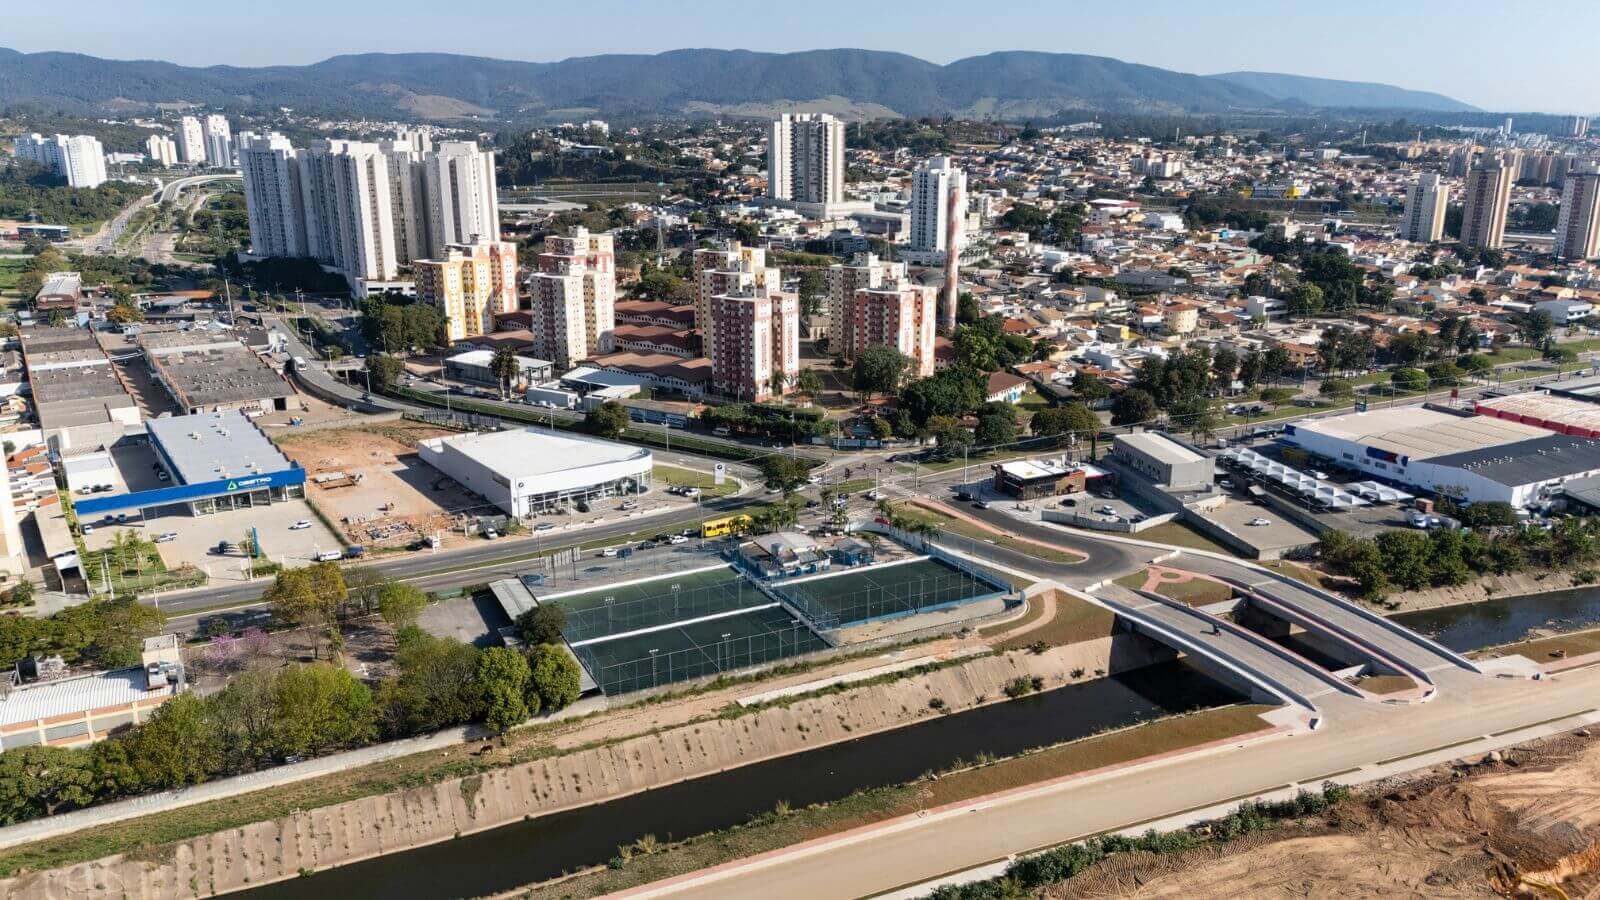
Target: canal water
<point x="1474" y="626"/>
<point x="543" y="848"/>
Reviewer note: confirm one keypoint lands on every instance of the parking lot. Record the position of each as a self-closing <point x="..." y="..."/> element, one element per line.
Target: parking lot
<point x="1276" y="535"/>
<point x="197" y="536"/>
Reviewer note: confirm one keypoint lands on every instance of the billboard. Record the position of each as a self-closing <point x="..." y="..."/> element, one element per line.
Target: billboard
<point x="183" y="493"/>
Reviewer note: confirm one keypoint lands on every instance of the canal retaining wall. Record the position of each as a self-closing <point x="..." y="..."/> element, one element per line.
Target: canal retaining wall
<point x="343" y="833"/>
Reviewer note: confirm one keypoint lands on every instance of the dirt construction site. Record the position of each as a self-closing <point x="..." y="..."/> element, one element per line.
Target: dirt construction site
<point x="369" y="482"/>
<point x="1522" y="823"/>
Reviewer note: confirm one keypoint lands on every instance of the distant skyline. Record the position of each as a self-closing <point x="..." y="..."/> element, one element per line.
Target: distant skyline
<point x="1494" y="55"/>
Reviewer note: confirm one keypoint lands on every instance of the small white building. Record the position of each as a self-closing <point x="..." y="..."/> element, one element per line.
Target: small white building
<point x="528" y="471"/>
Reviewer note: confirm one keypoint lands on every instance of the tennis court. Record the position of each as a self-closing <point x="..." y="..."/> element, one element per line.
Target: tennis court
<point x="675" y="652"/>
<point x="888" y="590"/>
<point x="657" y="601"/>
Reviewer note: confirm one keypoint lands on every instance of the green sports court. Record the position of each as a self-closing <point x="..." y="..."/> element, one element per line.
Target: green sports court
<point x="626" y="607"/>
<point x="675" y="652"/>
<point x="877" y="592"/>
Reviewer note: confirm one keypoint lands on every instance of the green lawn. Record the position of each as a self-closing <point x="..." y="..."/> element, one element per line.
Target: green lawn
<point x="1194" y="592"/>
<point x="1177" y="534"/>
<point x="676" y="477"/>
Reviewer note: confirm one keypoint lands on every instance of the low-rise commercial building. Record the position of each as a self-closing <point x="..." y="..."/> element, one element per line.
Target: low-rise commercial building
<point x="529" y="471"/>
<point x="1163" y="461"/>
<point x="207" y="372"/>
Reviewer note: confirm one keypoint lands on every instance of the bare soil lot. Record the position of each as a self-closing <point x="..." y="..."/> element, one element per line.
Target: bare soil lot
<point x="392" y="497"/>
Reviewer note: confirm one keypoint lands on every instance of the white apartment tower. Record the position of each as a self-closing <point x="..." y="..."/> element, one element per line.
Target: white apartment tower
<point x="1488" y="198"/>
<point x="931" y="187"/>
<point x="573" y="297"/>
<point x="408" y="199"/>
<point x="191" y="141"/>
<point x="219" y="142"/>
<point x="805" y="159"/>
<point x="272" y="196"/>
<point x="462" y="204"/>
<point x="78" y="158"/>
<point x="864" y="272"/>
<point x="344" y="187"/>
<point x="161" y="150"/>
<point x="1578" y="229"/>
<point x="1425" y="209"/>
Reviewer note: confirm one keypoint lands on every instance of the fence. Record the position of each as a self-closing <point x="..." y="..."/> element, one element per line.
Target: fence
<point x="611" y="617"/>
<point x="719" y="656"/>
<point x="820" y="601"/>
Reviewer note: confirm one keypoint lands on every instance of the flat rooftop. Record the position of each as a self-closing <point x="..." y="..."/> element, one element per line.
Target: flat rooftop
<point x="1421" y="433"/>
<point x="530" y="453"/>
<point x="1159" y="446"/>
<point x="1529" y="462"/>
<point x="213" y="446"/>
<point x="216" y="373"/>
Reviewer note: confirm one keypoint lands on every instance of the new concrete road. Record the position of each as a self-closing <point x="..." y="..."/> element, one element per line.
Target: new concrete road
<point x="104" y="241"/>
<point x="1362" y="741"/>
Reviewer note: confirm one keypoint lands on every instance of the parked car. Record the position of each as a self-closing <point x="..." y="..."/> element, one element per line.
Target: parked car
<point x="166" y="537"/>
<point x="354" y="551"/>
<point x="301" y="525"/>
<point x="981" y="504"/>
<point x="1259" y="521"/>
<point x="328" y="556"/>
<point x="543" y="526"/>
<point x="490" y="534"/>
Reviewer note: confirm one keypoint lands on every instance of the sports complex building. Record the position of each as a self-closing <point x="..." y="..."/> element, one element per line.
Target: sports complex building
<point x="1497" y="456"/>
<point x="649" y="632"/>
<point x="526" y="471"/>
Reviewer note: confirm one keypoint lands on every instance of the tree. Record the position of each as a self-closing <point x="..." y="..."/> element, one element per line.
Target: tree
<point x="42" y="781"/>
<point x="320" y="708"/>
<point x="543" y="624"/>
<point x="784" y="473"/>
<point x="1089" y="387"/>
<point x="881" y="429"/>
<point x="1195" y="415"/>
<point x="809" y="382"/>
<point x="1224" y="366"/>
<point x="950" y="434"/>
<point x="967" y="309"/>
<point x="813" y="286"/>
<point x="309" y="596"/>
<point x="555" y="678"/>
<point x="434" y="688"/>
<point x="400" y="604"/>
<point x="879" y="370"/>
<point x="977" y="349"/>
<point x="384" y="370"/>
<point x="501" y="679"/>
<point x="996" y="429"/>
<point x="1305" y="300"/>
<point x="609" y="419"/>
<point x="504" y="366"/>
<point x="1535" y="327"/>
<point x="1134" y="407"/>
<point x="124" y="312"/>
<point x="1475" y="364"/>
<point x="1409" y="380"/>
<point x="180" y="744"/>
<point x="1337" y="388"/>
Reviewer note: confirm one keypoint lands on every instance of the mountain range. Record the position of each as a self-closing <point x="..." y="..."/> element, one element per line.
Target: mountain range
<point x="857" y="83"/>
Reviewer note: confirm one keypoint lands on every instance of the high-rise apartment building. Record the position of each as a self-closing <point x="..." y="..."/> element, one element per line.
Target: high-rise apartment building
<point x="1425" y="209"/>
<point x="408" y="198"/>
<point x="219" y="141"/>
<point x="756" y="351"/>
<point x="863" y="271"/>
<point x="932" y="206"/>
<point x="1578" y="228"/>
<point x="162" y="150"/>
<point x="274" y="203"/>
<point x="1487" y="200"/>
<point x="573" y="296"/>
<point x="1461" y="159"/>
<point x="462" y="204"/>
<point x="1576" y="126"/>
<point x="470" y="284"/>
<point x="344" y="187"/>
<point x="191" y="141"/>
<point x="78" y="158"/>
<point x="899" y="315"/>
<point x="805" y="159"/>
<point x="729" y="269"/>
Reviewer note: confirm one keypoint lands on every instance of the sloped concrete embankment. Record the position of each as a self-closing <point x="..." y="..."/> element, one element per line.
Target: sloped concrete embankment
<point x="336" y="835"/>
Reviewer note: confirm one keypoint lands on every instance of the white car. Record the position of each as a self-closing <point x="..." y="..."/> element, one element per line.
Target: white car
<point x="814" y="479"/>
<point x="300" y="525"/>
<point x="608" y="552"/>
<point x="166" y="537"/>
<point x="1258" y="521"/>
<point x="677" y="539"/>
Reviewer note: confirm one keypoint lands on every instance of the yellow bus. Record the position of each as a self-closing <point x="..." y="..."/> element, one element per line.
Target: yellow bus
<point x="712" y="528"/>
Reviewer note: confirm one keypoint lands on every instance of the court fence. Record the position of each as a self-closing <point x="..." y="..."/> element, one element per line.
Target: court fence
<point x="730" y="654"/>
<point x="880" y="601"/>
<point x="613" y="617"/>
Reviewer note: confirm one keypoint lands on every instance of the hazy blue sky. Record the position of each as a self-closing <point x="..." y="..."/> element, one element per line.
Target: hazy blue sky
<point x="1535" y="55"/>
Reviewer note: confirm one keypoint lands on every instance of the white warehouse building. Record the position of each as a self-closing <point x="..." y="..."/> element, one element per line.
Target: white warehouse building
<point x="1470" y="458"/>
<point x="528" y="471"/>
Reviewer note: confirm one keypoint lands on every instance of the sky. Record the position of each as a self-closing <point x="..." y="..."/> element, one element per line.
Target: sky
<point x="1538" y="55"/>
